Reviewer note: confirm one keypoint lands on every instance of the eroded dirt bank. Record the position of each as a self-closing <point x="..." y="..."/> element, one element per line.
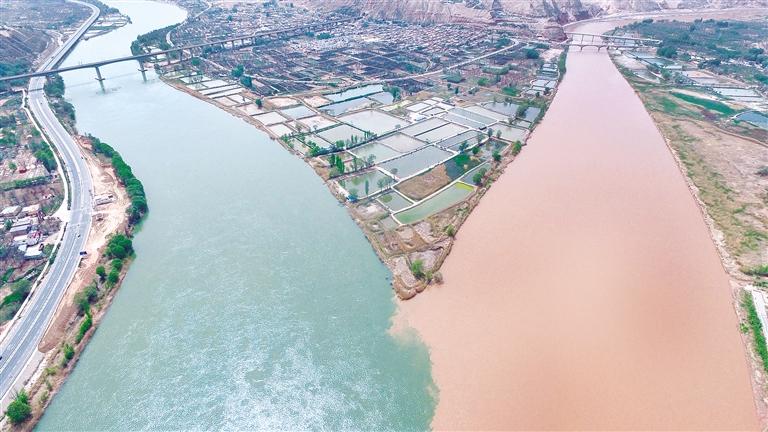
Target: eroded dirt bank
<point x="585" y="291"/>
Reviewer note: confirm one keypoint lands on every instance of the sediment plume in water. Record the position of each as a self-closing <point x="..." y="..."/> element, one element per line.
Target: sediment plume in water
<point x="584" y="292"/>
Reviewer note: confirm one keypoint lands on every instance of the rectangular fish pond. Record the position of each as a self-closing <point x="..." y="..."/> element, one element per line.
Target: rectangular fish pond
<point x="365" y="184"/>
<point x="451" y="196"/>
<point x="374" y="121"/>
<point x="354" y="93"/>
<point x="394" y="201"/>
<point x="415" y="162"/>
<point x="379" y="151"/>
<point x="402" y="143"/>
<point x="345" y="133"/>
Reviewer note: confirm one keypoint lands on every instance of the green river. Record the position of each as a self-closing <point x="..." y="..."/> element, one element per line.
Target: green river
<point x="255" y="302"/>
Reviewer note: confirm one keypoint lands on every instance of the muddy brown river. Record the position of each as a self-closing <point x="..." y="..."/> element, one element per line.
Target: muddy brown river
<point x="585" y="292"/>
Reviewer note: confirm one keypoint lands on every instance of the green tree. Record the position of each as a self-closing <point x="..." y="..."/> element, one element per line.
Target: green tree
<point x="19" y="409"/>
<point x="478" y="177"/>
<point x="246" y="81"/>
<point x="113" y="277"/>
<point x="119" y="246"/>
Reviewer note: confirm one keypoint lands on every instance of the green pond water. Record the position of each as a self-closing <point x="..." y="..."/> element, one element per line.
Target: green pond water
<point x="232" y="315"/>
<point x="450" y="196"/>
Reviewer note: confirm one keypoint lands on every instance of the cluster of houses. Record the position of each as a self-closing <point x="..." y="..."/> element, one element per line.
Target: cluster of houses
<point x="22" y="226"/>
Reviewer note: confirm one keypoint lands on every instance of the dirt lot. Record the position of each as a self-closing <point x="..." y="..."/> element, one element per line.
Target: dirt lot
<point x="426" y="184"/>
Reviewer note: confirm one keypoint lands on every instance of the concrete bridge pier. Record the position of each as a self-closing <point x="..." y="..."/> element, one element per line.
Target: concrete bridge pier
<point x="143" y="71"/>
<point x="99" y="78"/>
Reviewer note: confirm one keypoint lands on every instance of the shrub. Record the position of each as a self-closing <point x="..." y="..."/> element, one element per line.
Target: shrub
<point x="497" y="156"/>
<point x="450" y="231"/>
<point x="84" y="327"/>
<point x="516" y="147"/>
<point x="69" y="352"/>
<point x="84" y="298"/>
<point x="417" y="268"/>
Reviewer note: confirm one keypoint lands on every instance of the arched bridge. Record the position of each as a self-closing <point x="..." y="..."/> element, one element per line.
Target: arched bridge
<point x="600" y="41"/>
<point x="190" y="50"/>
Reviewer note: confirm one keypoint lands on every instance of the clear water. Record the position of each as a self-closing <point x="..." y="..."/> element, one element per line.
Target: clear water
<point x="415" y="162"/>
<point x="355" y="92"/>
<point x="232" y="316"/>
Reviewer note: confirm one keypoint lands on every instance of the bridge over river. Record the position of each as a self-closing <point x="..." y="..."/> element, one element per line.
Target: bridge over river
<point x="187" y="51"/>
<point x="600" y="41"/>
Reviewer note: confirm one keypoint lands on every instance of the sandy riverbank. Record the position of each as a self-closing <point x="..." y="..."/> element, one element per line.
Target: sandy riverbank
<point x="585" y="291"/>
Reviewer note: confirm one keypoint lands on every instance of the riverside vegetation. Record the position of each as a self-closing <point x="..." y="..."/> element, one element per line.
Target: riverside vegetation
<point x="92" y="300"/>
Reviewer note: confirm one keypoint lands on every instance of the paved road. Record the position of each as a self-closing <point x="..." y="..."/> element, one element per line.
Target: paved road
<point x="21" y="342"/>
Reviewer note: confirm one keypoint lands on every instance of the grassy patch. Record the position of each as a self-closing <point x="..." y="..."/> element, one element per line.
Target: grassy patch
<point x="756" y="327"/>
<point x="709" y="104"/>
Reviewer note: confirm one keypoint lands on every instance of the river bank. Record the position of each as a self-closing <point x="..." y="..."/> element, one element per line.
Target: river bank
<point x="721" y="161"/>
<point x="615" y="312"/>
<point x="231" y="315"/>
<point x="91" y="292"/>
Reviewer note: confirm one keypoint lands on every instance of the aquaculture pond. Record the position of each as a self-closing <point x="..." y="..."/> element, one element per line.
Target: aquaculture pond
<point x="487" y="113"/>
<point x="402" y="143"/>
<point x="452" y="195"/>
<point x="297" y="112"/>
<point x="754" y="117"/>
<point x="455" y="142"/>
<point x="355" y="93"/>
<point x="478" y="118"/>
<point x="424" y="126"/>
<point x="455" y="118"/>
<point x="379" y="151"/>
<point x="441" y="133"/>
<point x="460" y="165"/>
<point x="342" y="132"/>
<point x="374" y="121"/>
<point x="365" y="184"/>
<point x="415" y="162"/>
<point x="394" y="201"/>
<point x="508" y="109"/>
<point x="385" y="98"/>
<point x="339" y="108"/>
<point x="467" y="178"/>
<point x="510" y="133"/>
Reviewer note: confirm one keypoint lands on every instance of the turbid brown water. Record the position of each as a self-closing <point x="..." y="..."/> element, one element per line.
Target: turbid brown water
<point x="585" y="292"/>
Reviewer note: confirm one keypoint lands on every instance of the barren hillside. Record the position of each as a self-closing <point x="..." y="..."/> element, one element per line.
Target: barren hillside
<point x="500" y="10"/>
